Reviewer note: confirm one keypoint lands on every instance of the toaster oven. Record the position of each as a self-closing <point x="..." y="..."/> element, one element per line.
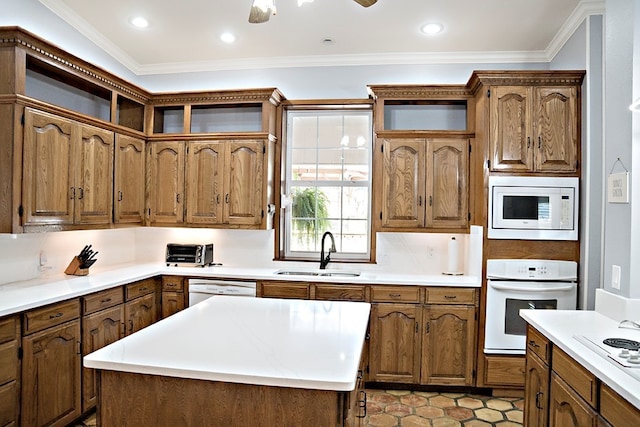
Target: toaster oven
<point x="191" y="254"/>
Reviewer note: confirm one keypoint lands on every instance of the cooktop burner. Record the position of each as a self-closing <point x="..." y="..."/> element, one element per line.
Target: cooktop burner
<point x="622" y="343"/>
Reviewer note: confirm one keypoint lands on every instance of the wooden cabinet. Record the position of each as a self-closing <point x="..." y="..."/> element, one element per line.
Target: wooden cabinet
<point x="68" y="172"/>
<point x="166" y="183"/>
<point x="567" y="408"/>
<point x="174" y="296"/>
<point x="616" y="410"/>
<point x="9" y="371"/>
<point x="425" y="182"/>
<point x="129" y="180"/>
<point x="141" y="306"/>
<point x="448" y="345"/>
<point x="51" y="393"/>
<point x="102" y="324"/>
<point x="225" y="182"/>
<point x="537" y="377"/>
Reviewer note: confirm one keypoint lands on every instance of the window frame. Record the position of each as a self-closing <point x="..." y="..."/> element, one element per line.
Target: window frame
<point x="284" y="254"/>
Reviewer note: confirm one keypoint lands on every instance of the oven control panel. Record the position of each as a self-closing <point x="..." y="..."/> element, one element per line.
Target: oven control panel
<point x="531" y="269"/>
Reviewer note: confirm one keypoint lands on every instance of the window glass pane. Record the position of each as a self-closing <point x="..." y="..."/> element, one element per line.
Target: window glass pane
<point x="327" y="178"/>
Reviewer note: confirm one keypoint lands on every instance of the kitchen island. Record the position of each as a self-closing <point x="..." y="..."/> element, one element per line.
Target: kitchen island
<point x="235" y="362"/>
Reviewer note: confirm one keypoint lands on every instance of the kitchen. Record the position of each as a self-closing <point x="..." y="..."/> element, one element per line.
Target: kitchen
<point x="144" y="244"/>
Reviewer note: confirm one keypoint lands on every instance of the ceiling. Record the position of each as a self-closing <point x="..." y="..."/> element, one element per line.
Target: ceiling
<point x="185" y="35"/>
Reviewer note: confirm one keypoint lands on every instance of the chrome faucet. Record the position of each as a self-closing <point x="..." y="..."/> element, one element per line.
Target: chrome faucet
<point x="324" y="261"/>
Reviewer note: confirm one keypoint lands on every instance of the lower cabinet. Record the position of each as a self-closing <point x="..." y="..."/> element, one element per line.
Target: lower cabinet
<point x="9" y="371"/>
<point x="567" y="408"/>
<point x="174" y="295"/>
<point x="536" y="391"/>
<point x="141" y="306"/>
<point x="51" y="392"/>
<point x="275" y="289"/>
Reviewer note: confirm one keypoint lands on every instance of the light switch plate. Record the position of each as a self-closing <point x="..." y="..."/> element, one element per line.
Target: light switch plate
<point x="615" y="276"/>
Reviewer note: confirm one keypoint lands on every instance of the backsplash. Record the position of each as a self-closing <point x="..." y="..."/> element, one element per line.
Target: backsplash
<point x="402" y="253"/>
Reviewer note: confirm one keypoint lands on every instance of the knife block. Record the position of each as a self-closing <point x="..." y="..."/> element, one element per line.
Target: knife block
<point x="74" y="268"/>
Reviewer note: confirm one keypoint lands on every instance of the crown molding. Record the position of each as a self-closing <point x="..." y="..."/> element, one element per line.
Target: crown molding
<point x="585" y="9"/>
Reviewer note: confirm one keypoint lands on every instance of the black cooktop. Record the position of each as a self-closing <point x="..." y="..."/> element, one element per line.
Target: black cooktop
<point x="622" y="343"/>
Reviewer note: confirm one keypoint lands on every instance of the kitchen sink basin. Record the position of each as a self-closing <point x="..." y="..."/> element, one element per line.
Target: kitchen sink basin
<point x="320" y="273"/>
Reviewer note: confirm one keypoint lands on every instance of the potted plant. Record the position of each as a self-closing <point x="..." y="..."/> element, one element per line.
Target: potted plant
<point x="309" y="213"/>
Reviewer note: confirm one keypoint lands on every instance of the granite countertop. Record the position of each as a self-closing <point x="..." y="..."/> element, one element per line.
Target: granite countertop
<point x="24" y="295"/>
<point x="272" y="342"/>
<point x="562" y="326"/>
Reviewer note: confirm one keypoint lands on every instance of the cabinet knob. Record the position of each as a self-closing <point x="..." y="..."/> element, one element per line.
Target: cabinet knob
<point x="539" y="142"/>
<point x="81" y="193"/>
<point x="73" y="193"/>
<point x="119" y="196"/>
<point x="533" y="344"/>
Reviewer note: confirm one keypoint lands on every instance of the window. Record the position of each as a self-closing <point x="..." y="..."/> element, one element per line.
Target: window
<point x="328" y="182"/>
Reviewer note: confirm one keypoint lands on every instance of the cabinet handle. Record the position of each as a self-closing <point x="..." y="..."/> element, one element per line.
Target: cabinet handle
<point x="104" y="301"/>
<point x="79" y="351"/>
<point x="119" y="196"/>
<point x="528" y="142"/>
<point x="54" y="316"/>
<point x="395" y="296"/>
<point x="362" y="404"/>
<point x="539" y="142"/>
<point x="217" y="199"/>
<point x="450" y="297"/>
<point x="533" y="344"/>
<point x="430" y="200"/>
<point x="130" y="326"/>
<point x="81" y="193"/>
<point x="419" y="200"/>
<point x="226" y="198"/>
<point x="73" y="193"/>
<point x="428" y="327"/>
<point x="538" y="396"/>
<point x="178" y="198"/>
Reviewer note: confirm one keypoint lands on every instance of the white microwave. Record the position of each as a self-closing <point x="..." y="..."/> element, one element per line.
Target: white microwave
<point x="533" y="208"/>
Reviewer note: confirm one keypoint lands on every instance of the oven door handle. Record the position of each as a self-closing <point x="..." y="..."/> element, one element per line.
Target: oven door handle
<point x="521" y="288"/>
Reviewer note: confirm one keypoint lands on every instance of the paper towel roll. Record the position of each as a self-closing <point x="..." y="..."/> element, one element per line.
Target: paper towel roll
<point x="453" y="263"/>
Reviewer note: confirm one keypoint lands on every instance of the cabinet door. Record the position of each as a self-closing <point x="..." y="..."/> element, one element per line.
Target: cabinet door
<point x="172" y="302"/>
<point x="567" y="409"/>
<point x="94" y="176"/>
<point x="244" y="194"/>
<point x="510" y="129"/>
<point x="556" y="129"/>
<point x="9" y="371"/>
<point x="98" y="330"/>
<point x="51" y="393"/>
<point x="448" y="345"/>
<point x="394" y="347"/>
<point x="536" y="392"/>
<point x="129" y="180"/>
<point x="140" y="313"/>
<point x="447" y="183"/>
<point x="205" y="166"/>
<point x="47" y="187"/>
<point x="403" y="187"/>
<point x="166" y="192"/>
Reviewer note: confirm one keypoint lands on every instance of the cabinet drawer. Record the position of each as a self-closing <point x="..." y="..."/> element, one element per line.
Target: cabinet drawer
<point x="504" y="370"/>
<point x="99" y="300"/>
<point x="173" y="283"/>
<point x="51" y="315"/>
<point x="578" y="378"/>
<point x="284" y="290"/>
<point x="340" y="293"/>
<point x="408" y="294"/>
<point x="137" y="289"/>
<point x="615" y="409"/>
<point x="8" y="327"/>
<point x="446" y="295"/>
<point x="538" y="344"/>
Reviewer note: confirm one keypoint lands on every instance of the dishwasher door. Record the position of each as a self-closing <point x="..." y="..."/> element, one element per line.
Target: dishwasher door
<point x="202" y="289"/>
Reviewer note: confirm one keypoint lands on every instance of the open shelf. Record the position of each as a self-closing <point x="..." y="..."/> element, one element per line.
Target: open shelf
<point x="226" y="118"/>
<point x="425" y="115"/>
<point x="130" y="113"/>
<point x="168" y="119"/>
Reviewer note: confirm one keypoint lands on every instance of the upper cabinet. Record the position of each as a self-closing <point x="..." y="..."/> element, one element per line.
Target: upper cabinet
<point x="423" y="144"/>
<point x="129" y="180"/>
<point x="531" y="120"/>
<point x="68" y="170"/>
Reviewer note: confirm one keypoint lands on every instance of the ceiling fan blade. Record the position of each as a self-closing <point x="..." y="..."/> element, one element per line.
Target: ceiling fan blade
<point x="366" y="3"/>
<point x="257" y="15"/>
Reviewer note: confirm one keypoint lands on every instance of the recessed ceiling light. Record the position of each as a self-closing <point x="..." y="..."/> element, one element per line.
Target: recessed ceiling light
<point x="227" y="37"/>
<point x="139" y="22"/>
<point x="432" y="28"/>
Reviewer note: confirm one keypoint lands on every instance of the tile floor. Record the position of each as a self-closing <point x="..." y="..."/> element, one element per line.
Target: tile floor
<point x="391" y="408"/>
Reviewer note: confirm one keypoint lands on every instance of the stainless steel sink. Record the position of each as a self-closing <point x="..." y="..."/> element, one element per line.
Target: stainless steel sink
<point x="321" y="273"/>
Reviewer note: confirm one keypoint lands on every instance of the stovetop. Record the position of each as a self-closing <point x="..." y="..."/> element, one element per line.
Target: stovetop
<point x="620" y="347"/>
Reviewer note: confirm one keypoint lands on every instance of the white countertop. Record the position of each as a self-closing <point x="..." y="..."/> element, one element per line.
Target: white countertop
<point x="273" y="342"/>
<point x="561" y="326"/>
<point x="19" y="296"/>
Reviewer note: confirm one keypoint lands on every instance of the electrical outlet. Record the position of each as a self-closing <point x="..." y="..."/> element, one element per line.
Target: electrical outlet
<point x="615" y="276"/>
<point x="430" y="251"/>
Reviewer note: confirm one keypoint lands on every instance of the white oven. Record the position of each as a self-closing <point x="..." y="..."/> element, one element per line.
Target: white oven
<point x="517" y="284"/>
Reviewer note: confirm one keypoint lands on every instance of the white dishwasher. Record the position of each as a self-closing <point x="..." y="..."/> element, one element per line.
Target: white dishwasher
<point x="202" y="289"/>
